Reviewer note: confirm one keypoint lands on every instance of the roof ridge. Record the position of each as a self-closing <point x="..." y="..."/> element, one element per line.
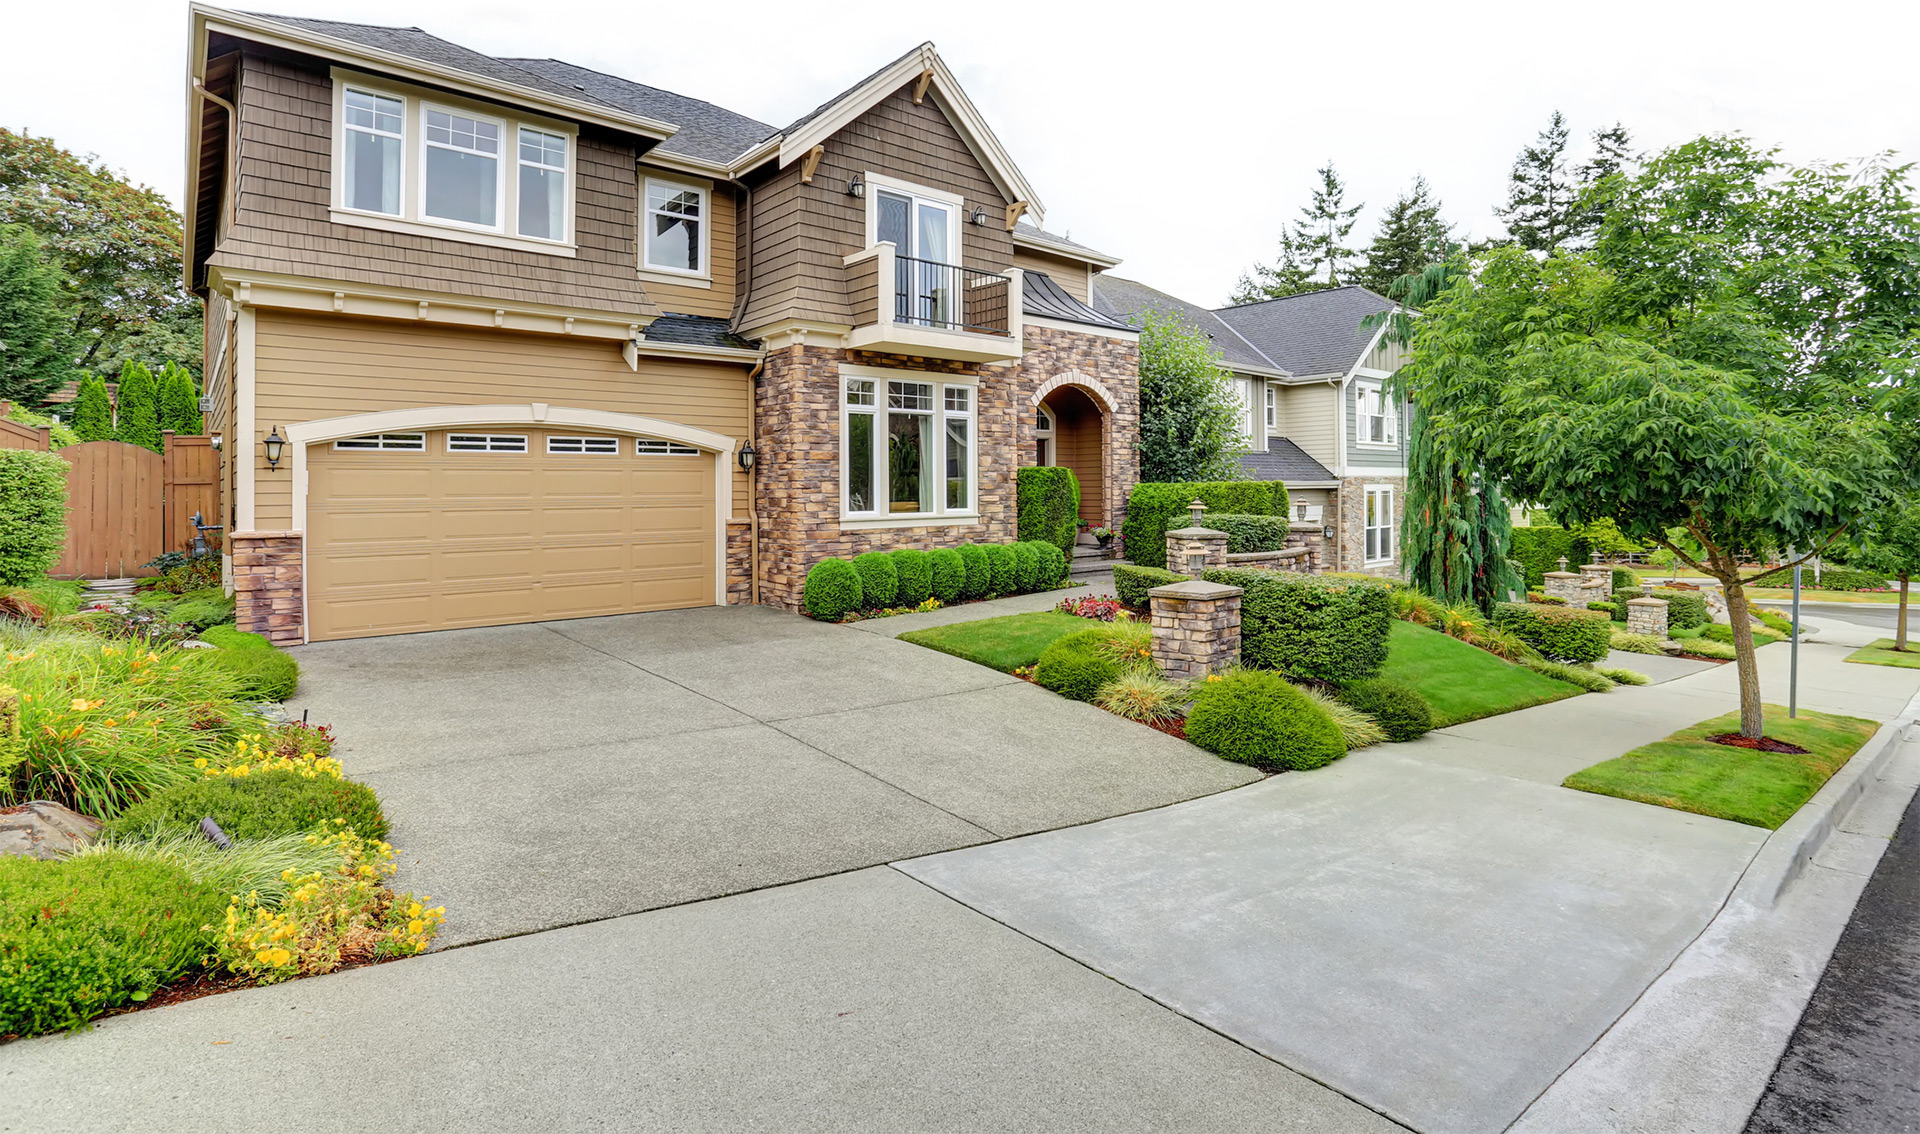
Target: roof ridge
<point x="1300" y="295"/>
<point x="622" y="78"/>
<point x="1231" y="329"/>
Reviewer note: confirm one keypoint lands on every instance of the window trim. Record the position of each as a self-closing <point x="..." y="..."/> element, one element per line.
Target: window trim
<point x="1388" y="414"/>
<point x="340" y="166"/>
<point x="673" y="448"/>
<point x="941" y="513"/>
<point x="1368" y="493"/>
<point x="954" y="203"/>
<point x="525" y="444"/>
<point x="499" y="225"/>
<point x="1273" y="407"/>
<point x="582" y="451"/>
<point x="566" y="181"/>
<point x="414" y="443"/>
<point x="677" y="275"/>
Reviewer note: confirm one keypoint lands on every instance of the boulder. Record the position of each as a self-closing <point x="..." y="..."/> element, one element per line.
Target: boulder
<point x="41" y="829"/>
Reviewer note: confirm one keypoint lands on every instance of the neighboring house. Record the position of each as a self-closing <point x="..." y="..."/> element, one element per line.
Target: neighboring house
<point x="546" y="343"/>
<point x="1315" y="411"/>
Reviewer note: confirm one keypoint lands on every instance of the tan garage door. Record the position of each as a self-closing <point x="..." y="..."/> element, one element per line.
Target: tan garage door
<point x="492" y="525"/>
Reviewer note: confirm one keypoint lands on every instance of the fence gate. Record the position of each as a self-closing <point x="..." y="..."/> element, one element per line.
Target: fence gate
<point x="127" y="504"/>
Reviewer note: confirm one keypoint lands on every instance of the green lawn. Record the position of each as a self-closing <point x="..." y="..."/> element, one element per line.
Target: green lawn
<point x="1463" y="683"/>
<point x="1004" y="643"/>
<point x="1883" y="653"/>
<point x="1763" y="789"/>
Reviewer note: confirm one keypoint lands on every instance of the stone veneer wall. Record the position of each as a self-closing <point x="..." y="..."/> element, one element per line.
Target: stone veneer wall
<point x="739" y="562"/>
<point x="797" y="434"/>
<point x="1351" y="501"/>
<point x="267" y="587"/>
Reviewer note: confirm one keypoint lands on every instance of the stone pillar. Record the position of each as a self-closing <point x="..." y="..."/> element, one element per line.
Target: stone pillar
<point x="267" y="585"/>
<point x="1196" y="628"/>
<point x="1647" y="616"/>
<point x="1193" y="550"/>
<point x="1597" y="578"/>
<point x="1566" y="585"/>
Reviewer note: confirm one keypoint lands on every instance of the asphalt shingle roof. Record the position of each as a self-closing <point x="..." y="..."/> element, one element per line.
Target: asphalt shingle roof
<point x="1043" y="296"/>
<point x="694" y="330"/>
<point x="1284" y="461"/>
<point x="1042" y="236"/>
<point x="1311" y="334"/>
<point x="709" y="132"/>
<point x="1123" y="299"/>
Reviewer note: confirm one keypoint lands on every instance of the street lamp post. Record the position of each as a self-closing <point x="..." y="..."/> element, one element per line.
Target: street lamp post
<point x="1793" y="657"/>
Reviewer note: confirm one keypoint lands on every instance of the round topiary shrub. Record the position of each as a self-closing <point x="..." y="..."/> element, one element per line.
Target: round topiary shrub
<point x="832" y="590"/>
<point x="1077" y="665"/>
<point x="1000" y="562"/>
<point x="1026" y="567"/>
<point x="979" y="580"/>
<point x="1259" y="718"/>
<point x="949" y="574"/>
<point x="916" y="576"/>
<point x="257" y="806"/>
<point x="879" y="582"/>
<point x="1400" y="709"/>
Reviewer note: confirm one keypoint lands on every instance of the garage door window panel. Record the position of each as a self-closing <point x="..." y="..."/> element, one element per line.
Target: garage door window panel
<point x="589" y="446"/>
<point x="486" y="442"/>
<point x="384" y="442"/>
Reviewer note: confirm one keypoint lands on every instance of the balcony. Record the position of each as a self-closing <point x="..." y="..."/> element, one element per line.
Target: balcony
<point x="902" y="305"/>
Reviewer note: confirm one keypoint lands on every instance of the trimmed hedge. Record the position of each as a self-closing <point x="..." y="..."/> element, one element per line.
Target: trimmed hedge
<point x="33" y="514"/>
<point x="1077" y="665"/>
<point x="1260" y="719"/>
<point x="1624" y="578"/>
<point x="1619" y="601"/>
<point x="1131" y="582"/>
<point x="1250" y="533"/>
<point x="979" y="578"/>
<point x="1313" y="626"/>
<point x="832" y="590"/>
<point x="1004" y="572"/>
<point x="879" y="580"/>
<point x="1832" y="578"/>
<point x="1048" y="504"/>
<point x="258" y="806"/>
<point x="1685" y="609"/>
<point x="1563" y="633"/>
<point x="1154" y="508"/>
<point x="1400" y="709"/>
<point x="1051" y="564"/>
<point x="949" y="574"/>
<point x="1026" y="567"/>
<point x="264" y="673"/>
<point x="915" y="574"/>
<point x="1538" y="550"/>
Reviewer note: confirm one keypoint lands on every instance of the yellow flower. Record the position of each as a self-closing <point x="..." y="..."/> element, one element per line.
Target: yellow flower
<point x="414" y="911"/>
<point x="415" y="926"/>
<point x="82" y="705"/>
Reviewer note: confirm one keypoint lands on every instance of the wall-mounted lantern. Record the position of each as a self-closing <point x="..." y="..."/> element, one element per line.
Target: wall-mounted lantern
<point x="747" y="457"/>
<point x="857" y="186"/>
<point x="273" y="445"/>
<point x="1326" y="533"/>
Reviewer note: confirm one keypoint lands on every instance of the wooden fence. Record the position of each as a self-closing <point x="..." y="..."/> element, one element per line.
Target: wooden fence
<point x="127" y="504"/>
<point x="13" y="435"/>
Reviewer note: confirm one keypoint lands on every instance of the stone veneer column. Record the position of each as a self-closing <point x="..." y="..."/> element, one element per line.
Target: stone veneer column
<point x="1185" y="545"/>
<point x="1647" y="616"/>
<point x="1566" y="585"/>
<point x="267" y="585"/>
<point x="1196" y="628"/>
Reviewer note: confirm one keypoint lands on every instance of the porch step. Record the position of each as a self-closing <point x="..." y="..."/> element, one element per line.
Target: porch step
<point x="1087" y="551"/>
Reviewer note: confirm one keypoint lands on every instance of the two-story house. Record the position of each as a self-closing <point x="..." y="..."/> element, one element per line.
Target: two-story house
<point x="1316" y="409"/>
<point x="495" y="340"/>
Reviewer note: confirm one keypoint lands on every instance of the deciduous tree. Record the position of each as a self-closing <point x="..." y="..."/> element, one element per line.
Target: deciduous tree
<point x="1890" y="545"/>
<point x="1189" y="414"/>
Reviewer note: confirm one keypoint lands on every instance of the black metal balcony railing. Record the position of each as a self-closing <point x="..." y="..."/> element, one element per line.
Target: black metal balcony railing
<point x="949" y="297"/>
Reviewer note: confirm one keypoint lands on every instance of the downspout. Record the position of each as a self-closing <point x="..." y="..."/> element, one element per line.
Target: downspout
<point x="753" y="484"/>
<point x="233" y="142"/>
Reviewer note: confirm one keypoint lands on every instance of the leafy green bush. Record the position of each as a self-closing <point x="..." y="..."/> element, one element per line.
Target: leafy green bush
<point x="1562" y="633"/>
<point x="33" y="514"/>
<point x="260" y="674"/>
<point x="979" y="579"/>
<point x="256" y="806"/>
<point x="1762" y="635"/>
<point x="1685" y="609"/>
<point x="1585" y="678"/>
<point x="1048" y="503"/>
<point x="86" y="934"/>
<point x="915" y="572"/>
<point x="1131" y="582"/>
<point x="1619" y="600"/>
<point x="1152" y="509"/>
<point x="1004" y="572"/>
<point x="1313" y="626"/>
<point x="1357" y="729"/>
<point x="1832" y="578"/>
<point x="1624" y="578"/>
<point x="1026" y="567"/>
<point x="1400" y="709"/>
<point x="1635" y="643"/>
<point x="1250" y="533"/>
<point x="1778" y="623"/>
<point x="1051" y="563"/>
<point x="1622" y="676"/>
<point x="1260" y="719"/>
<point x="232" y="638"/>
<point x="1077" y="665"/>
<point x="1538" y="550"/>
<point x="948" y="574"/>
<point x="832" y="590"/>
<point x="1606" y="608"/>
<point x="202" y="609"/>
<point x="879" y="581"/>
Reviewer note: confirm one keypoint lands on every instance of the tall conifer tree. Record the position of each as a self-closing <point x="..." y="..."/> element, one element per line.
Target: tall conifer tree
<point x="1313" y="253"/>
<point x="138" y="414"/>
<point x="1411" y="236"/>
<point x="1542" y="195"/>
<point x="92" y="410"/>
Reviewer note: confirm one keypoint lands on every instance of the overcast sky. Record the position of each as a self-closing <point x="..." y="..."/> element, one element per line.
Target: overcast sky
<point x="1179" y="137"/>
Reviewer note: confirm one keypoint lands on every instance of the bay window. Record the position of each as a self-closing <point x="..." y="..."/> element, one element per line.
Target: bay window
<point x="1379" y="526"/>
<point x="907" y="447"/>
<point x="1374" y="422"/>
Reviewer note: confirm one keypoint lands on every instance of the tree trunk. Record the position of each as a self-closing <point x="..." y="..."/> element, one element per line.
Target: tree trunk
<point x="1752" y="718"/>
<point x="1900" y="623"/>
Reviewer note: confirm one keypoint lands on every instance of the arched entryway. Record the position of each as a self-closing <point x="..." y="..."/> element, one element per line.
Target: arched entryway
<point x="1072" y="427"/>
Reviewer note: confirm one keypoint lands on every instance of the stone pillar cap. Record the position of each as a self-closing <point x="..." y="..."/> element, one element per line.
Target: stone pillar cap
<point x="1196" y="589"/>
<point x="1646" y="602"/>
<point x="1197" y="533"/>
<point x="1561" y="574"/>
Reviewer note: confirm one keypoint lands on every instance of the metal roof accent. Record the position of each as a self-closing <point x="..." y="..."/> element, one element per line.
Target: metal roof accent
<point x="1044" y="298"/>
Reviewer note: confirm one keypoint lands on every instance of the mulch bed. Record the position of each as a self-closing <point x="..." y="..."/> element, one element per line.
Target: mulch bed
<point x="1176" y="728"/>
<point x="1764" y="744"/>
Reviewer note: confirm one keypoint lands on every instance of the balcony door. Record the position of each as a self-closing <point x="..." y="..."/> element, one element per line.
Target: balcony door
<point x="925" y="280"/>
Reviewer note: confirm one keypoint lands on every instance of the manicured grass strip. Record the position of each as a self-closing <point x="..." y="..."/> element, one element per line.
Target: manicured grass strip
<point x="1762" y="789"/>
<point x="1883" y="653"/>
<point x="1463" y="683"/>
<point x="1004" y="643"/>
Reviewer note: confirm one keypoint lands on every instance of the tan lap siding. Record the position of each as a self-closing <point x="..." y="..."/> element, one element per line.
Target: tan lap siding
<point x="1071" y="276"/>
<point x="310" y="367"/>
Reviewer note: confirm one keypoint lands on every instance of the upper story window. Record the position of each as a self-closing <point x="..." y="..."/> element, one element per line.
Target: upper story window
<point x="1374" y="422"/>
<point x="543" y="184"/>
<point x="375" y="139"/>
<point x="1273" y="408"/>
<point x="462" y="169"/>
<point x="675" y="229"/>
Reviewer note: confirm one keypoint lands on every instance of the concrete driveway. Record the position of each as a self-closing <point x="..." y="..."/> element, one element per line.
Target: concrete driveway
<point x="549" y="774"/>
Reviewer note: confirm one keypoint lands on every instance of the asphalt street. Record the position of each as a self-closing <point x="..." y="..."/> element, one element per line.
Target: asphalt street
<point x="1853" y="1064"/>
<point x="1881" y="616"/>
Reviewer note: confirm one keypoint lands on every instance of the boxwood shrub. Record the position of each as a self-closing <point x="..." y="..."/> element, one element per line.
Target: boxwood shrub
<point x="1131" y="582"/>
<point x="948" y="574"/>
<point x="1685" y="609"/>
<point x="1400" y="709"/>
<point x="1313" y="626"/>
<point x="1004" y="573"/>
<point x="1563" y="633"/>
<point x="832" y="589"/>
<point x="1261" y="719"/>
<point x="1047" y="500"/>
<point x="1624" y="578"/>
<point x="1250" y="533"/>
<point x="33" y="514"/>
<point x="979" y="579"/>
<point x="1050" y="565"/>
<point x="1153" y="508"/>
<point x="1076" y="665"/>
<point x="915" y="574"/>
<point x="1026" y="567"/>
<point x="264" y="673"/>
<point x="879" y="581"/>
<point x="256" y="806"/>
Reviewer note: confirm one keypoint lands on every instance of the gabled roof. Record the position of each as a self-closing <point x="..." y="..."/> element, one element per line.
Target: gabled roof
<point x="1035" y="237"/>
<point x="1044" y="297"/>
<point x="1284" y="461"/>
<point x="707" y="132"/>
<point x="1122" y="299"/>
<point x="1310" y="335"/>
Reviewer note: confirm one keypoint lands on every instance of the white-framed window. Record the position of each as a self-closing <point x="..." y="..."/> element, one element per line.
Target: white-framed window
<point x="908" y="447"/>
<point x="674" y="230"/>
<point x="1374" y="420"/>
<point x="1273" y="408"/>
<point x="486" y="442"/>
<point x="460" y="182"/>
<point x="375" y="151"/>
<point x="542" y="208"/>
<point x="923" y="225"/>
<point x="1043" y="453"/>
<point x="603" y="446"/>
<point x="389" y="442"/>
<point x="1379" y="525"/>
<point x="653" y="447"/>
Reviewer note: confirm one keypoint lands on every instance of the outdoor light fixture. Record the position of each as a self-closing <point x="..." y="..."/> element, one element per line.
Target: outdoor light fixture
<point x="215" y="440"/>
<point x="857" y="187"/>
<point x="980" y="217"/>
<point x="273" y="444"/>
<point x="1326" y="532"/>
<point x="747" y="457"/>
